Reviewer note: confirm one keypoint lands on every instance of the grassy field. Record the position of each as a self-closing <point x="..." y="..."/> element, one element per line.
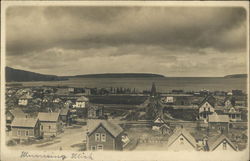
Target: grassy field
<point x="128" y="100"/>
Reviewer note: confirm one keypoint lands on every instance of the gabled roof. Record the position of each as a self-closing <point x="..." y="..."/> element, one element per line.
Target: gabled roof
<point x="26" y="97"/>
<point x="215" y="141"/>
<point x="17" y="113"/>
<point x="218" y="118"/>
<point x="52" y="116"/>
<point x="112" y="128"/>
<point x="68" y="101"/>
<point x="181" y="131"/>
<point x="82" y="99"/>
<point x="95" y="107"/>
<point x="24" y="122"/>
<point x="210" y="99"/>
<point x="164" y="126"/>
<point x="159" y="120"/>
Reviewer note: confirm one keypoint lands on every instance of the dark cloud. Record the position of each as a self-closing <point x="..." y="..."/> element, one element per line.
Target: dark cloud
<point x="159" y="33"/>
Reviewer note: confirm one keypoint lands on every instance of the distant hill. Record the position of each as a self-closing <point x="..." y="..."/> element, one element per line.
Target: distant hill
<point x="236" y="76"/>
<point x="25" y="76"/>
<point x="17" y="75"/>
<point x="121" y="75"/>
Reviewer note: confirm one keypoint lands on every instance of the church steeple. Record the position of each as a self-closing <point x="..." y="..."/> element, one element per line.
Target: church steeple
<point x="153" y="90"/>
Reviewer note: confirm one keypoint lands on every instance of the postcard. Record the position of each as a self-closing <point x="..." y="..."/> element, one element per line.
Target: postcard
<point x="124" y="81"/>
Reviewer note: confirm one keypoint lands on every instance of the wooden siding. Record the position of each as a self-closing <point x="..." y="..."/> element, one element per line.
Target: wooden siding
<point x="111" y="143"/>
<point x="32" y="132"/>
<point x="51" y="128"/>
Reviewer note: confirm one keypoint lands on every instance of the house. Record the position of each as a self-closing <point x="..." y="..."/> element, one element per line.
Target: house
<point x="233" y="113"/>
<point x="181" y="140"/>
<point x="220" y="143"/>
<point x="182" y="100"/>
<point x="11" y="115"/>
<point x="68" y="103"/>
<point x="57" y="100"/>
<point x="206" y="107"/>
<point x="240" y="101"/>
<point x="237" y="92"/>
<point x="95" y="112"/>
<point x="104" y="135"/>
<point x="71" y="89"/>
<point x="87" y="91"/>
<point x="24" y="100"/>
<point x="47" y="99"/>
<point x="25" y="128"/>
<point x="50" y="123"/>
<point x="82" y="102"/>
<point x="168" y="100"/>
<point x="165" y="129"/>
<point x="65" y="115"/>
<point x="218" y="123"/>
<point x="229" y="102"/>
<point x="160" y="125"/>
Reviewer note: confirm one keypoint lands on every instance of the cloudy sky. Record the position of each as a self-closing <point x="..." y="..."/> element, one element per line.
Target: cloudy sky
<point x="197" y="41"/>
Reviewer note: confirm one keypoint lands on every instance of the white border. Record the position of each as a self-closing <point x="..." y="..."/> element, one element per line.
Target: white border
<point x="8" y="155"/>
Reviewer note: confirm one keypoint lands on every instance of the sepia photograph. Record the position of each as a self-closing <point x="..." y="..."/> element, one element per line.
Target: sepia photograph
<point x="124" y="77"/>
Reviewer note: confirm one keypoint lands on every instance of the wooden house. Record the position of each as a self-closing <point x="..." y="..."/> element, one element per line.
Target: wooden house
<point x="68" y="103"/>
<point x="168" y="100"/>
<point x="240" y="101"/>
<point x="229" y="102"/>
<point x="24" y="100"/>
<point x="233" y="113"/>
<point x="218" y="123"/>
<point x="57" y="100"/>
<point x="220" y="143"/>
<point x="65" y="115"/>
<point x="181" y="140"/>
<point x="160" y="125"/>
<point x="11" y="115"/>
<point x="25" y="128"/>
<point x="51" y="124"/>
<point x="82" y="102"/>
<point x="95" y="112"/>
<point x="207" y="107"/>
<point x="104" y="135"/>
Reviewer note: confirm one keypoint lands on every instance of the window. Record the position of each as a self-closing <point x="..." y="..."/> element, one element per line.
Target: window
<point x="224" y="145"/>
<point x="181" y="140"/>
<point x="99" y="147"/>
<point x="18" y="133"/>
<point x="93" y="148"/>
<point x="26" y="133"/>
<point x="103" y="137"/>
<point x="97" y="137"/>
<point x="208" y="109"/>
